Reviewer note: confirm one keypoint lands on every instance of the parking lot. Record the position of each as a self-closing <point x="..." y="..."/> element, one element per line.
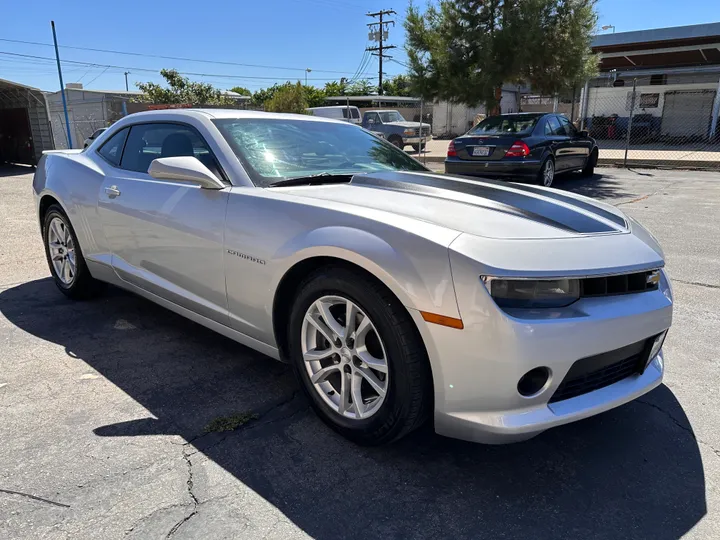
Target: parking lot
<point x="104" y="405"/>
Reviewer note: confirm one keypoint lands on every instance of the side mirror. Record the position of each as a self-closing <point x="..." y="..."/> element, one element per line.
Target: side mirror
<point x="184" y="169"/>
<point x="584" y="133"/>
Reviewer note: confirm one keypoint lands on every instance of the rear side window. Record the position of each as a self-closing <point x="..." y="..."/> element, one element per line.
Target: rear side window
<point x="151" y="141"/>
<point x="555" y="128"/>
<point x="567" y="127"/>
<point x="112" y="150"/>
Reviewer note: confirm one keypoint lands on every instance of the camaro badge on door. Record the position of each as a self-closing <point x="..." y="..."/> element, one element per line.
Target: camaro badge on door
<point x="246" y="257"/>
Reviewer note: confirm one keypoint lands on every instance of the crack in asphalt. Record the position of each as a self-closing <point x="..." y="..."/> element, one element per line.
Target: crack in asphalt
<point x="34" y="497"/>
<point x="697" y="283"/>
<point x="681" y="426"/>
<point x="644" y="197"/>
<point x="194" y="499"/>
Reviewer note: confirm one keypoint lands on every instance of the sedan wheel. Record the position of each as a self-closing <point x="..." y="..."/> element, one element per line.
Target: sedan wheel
<point x="359" y="356"/>
<point x="547" y="173"/>
<point x="344" y="357"/>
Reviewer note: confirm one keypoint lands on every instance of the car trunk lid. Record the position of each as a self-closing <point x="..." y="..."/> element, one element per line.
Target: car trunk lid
<point x="484" y="147"/>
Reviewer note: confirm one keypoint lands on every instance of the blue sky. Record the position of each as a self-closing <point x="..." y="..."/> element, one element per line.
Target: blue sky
<point x="287" y="36"/>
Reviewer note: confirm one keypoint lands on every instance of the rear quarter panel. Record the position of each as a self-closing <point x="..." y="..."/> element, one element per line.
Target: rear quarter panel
<point x="74" y="181"/>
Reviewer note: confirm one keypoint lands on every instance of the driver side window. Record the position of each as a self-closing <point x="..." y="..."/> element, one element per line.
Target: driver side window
<point x="373" y="118"/>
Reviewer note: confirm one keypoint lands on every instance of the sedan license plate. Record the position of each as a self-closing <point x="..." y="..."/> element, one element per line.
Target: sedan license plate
<point x="480" y="151"/>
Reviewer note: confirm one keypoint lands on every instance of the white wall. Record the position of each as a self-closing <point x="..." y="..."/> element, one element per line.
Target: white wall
<point x="607" y="101"/>
<point x="457" y="118"/>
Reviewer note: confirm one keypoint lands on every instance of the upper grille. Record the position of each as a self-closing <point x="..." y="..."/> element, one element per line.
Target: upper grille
<point x="425" y="131"/>
<point x="622" y="284"/>
<point x="601" y="370"/>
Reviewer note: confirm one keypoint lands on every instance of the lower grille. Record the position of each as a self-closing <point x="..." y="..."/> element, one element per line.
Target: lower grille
<point x="601" y="370"/>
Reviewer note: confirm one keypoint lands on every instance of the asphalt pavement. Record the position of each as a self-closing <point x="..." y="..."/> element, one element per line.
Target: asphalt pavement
<point x="104" y="405"/>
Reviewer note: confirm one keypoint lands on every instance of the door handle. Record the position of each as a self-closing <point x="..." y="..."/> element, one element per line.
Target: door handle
<point x="112" y="192"/>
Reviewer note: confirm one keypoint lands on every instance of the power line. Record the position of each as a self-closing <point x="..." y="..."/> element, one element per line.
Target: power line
<point x="178" y="58"/>
<point x="148" y="70"/>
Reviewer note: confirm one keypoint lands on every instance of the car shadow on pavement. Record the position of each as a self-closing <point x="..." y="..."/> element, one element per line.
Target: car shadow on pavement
<point x="598" y="186"/>
<point x="634" y="472"/>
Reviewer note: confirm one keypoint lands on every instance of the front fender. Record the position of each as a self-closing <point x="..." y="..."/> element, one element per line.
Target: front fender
<point x="415" y="269"/>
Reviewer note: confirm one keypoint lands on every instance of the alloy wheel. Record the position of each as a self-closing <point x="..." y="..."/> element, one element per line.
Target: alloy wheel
<point x="62" y="251"/>
<point x="548" y="173"/>
<point x="344" y="357"/>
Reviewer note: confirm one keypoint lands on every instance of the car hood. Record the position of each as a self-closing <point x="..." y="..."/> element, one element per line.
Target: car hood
<point x="483" y="208"/>
<point x="405" y="124"/>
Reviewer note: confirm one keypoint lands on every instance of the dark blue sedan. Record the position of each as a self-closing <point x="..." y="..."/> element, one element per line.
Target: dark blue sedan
<point x="532" y="146"/>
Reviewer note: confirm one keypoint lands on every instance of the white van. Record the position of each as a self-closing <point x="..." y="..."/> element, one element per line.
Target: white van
<point x="338" y="112"/>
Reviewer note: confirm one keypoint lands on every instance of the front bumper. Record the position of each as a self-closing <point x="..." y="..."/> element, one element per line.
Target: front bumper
<point x="476" y="370"/>
<point x="417" y="140"/>
<point x="521" y="168"/>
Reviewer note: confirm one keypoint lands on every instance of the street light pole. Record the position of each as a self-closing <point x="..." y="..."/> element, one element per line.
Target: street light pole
<point x="126" y="83"/>
<point x="307" y="70"/>
<point x="608" y="27"/>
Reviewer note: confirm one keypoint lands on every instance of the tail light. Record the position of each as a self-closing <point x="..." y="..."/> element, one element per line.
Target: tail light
<point x="451" y="149"/>
<point x="518" y="149"/>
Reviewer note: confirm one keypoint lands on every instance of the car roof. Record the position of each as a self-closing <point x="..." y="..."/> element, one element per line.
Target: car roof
<point x="225" y="114"/>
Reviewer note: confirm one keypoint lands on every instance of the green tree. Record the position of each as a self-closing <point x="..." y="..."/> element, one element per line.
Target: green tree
<point x="289" y="98"/>
<point x="315" y="97"/>
<point x="360" y="87"/>
<point x="241" y="90"/>
<point x="399" y="85"/>
<point x="335" y="88"/>
<point x="464" y="50"/>
<point x="181" y="90"/>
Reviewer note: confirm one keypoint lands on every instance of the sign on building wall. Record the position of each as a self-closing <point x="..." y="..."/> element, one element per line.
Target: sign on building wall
<point x="642" y="101"/>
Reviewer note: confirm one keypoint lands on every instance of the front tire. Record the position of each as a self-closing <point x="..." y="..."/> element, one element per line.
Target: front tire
<point x="359" y="357"/>
<point x="418" y="147"/>
<point x="396" y="142"/>
<point x="65" y="258"/>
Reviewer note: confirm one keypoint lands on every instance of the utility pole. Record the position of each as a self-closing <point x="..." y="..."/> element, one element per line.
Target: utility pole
<point x="380" y="35"/>
<point x="126" y="83"/>
<point x="62" y="86"/>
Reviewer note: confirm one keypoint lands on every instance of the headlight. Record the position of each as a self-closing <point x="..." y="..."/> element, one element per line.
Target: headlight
<point x="532" y="293"/>
<point x="409" y="132"/>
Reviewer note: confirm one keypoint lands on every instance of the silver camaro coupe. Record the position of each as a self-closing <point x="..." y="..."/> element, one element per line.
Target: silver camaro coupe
<point x="498" y="310"/>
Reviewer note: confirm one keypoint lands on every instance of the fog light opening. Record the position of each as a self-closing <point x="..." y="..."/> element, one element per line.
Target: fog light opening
<point x="533" y="382"/>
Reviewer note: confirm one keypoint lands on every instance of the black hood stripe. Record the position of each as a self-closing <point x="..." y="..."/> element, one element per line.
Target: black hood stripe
<point x="569" y="200"/>
<point x="493" y="198"/>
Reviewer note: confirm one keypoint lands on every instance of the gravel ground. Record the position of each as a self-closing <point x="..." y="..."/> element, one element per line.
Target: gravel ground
<point x="103" y="406"/>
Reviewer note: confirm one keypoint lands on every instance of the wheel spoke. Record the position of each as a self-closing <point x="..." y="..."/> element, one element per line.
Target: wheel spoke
<point x="317" y="355"/>
<point x="344" y="405"/>
<point x="330" y="321"/>
<point x="378" y="364"/>
<point x="350" y="314"/>
<point x="321" y="327"/>
<point x="370" y="377"/>
<point x="322" y="375"/>
<point x="356" y="392"/>
<point x="55" y="230"/>
<point x="362" y="330"/>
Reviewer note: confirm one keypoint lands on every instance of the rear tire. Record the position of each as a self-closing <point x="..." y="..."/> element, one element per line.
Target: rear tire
<point x="589" y="168"/>
<point x="393" y="402"/>
<point x="65" y="258"/>
<point x="546" y="174"/>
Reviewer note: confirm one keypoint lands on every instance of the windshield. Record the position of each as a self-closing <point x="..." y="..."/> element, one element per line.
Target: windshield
<point x="276" y="149"/>
<point x="517" y="124"/>
<point x="390" y="116"/>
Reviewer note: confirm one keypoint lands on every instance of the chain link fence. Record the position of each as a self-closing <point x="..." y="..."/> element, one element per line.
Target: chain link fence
<point x="656" y="120"/>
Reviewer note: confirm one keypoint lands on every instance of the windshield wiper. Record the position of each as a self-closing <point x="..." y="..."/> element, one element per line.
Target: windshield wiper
<point x="314" y="179"/>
